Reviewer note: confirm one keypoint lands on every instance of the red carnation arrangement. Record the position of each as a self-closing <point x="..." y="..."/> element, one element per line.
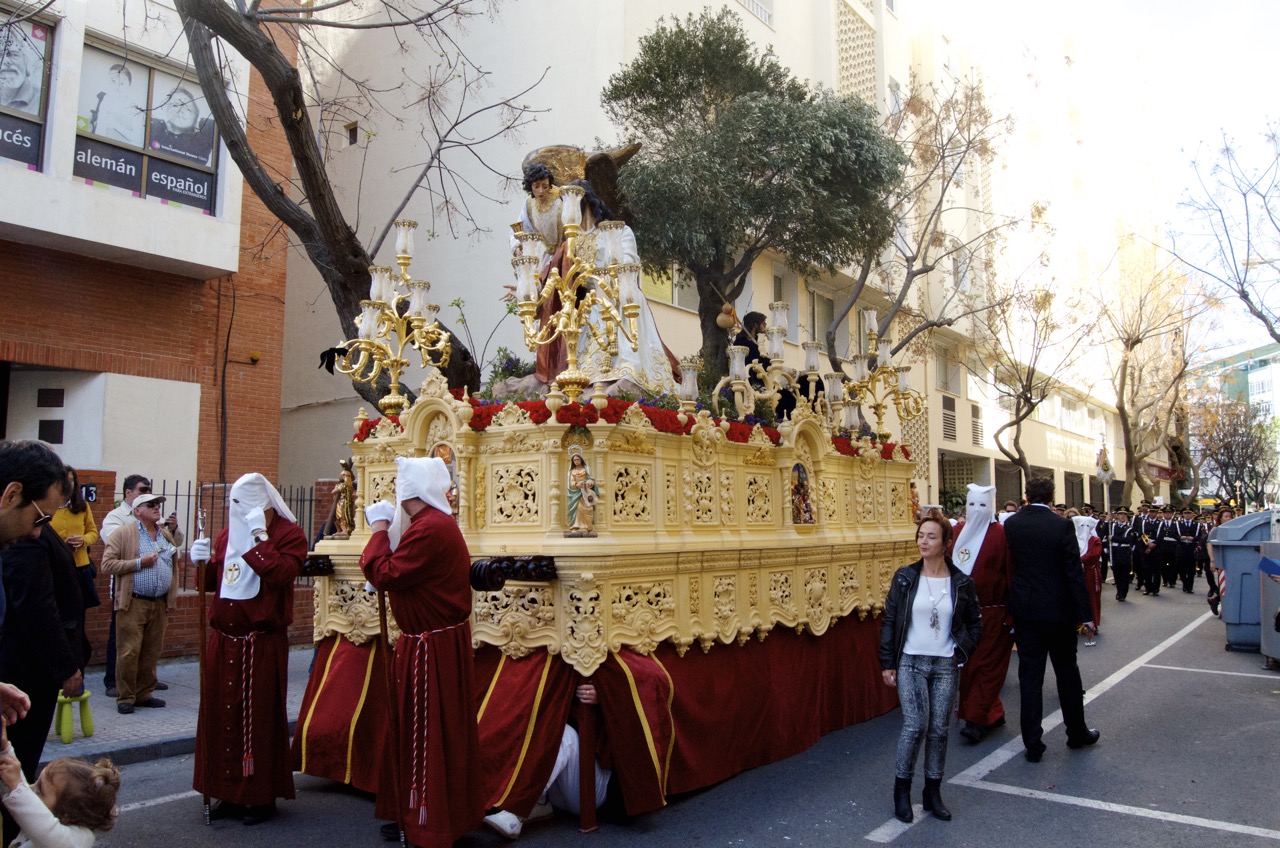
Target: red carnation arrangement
<point x="369" y="424"/>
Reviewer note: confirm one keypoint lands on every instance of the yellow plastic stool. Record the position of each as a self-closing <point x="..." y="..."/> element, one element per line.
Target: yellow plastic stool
<point x="62" y="717"/>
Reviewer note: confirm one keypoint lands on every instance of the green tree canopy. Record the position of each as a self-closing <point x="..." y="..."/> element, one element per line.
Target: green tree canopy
<point x="738" y="158"/>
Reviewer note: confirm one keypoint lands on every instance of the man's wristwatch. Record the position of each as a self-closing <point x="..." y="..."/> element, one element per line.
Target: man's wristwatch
<point x="261" y="536"/>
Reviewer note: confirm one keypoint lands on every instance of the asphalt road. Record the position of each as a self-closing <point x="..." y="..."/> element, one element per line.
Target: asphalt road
<point x="1188" y="757"/>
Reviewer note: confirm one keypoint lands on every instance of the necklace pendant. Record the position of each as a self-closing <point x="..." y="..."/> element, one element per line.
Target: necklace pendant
<point x="934" y="622"/>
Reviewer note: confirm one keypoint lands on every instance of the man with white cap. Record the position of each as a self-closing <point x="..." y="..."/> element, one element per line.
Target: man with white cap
<point x="141" y="555"/>
<point x="242" y="738"/>
<point x="980" y="551"/>
<point x="418" y="556"/>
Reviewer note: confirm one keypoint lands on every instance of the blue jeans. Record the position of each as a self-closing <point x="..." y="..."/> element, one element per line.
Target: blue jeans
<point x="927" y="689"/>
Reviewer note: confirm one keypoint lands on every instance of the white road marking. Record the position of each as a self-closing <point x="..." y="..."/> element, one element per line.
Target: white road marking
<point x="1125" y="809"/>
<point x="155" y="802"/>
<point x="974" y="776"/>
<point x="893" y="828"/>
<point x="1212" y="671"/>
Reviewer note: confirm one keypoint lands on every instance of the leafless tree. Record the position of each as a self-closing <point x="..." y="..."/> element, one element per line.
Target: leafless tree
<point x="1149" y="314"/>
<point x="1237" y="202"/>
<point x="941" y="218"/>
<point x="291" y="46"/>
<point x="1237" y="443"/>
<point x="1032" y="340"/>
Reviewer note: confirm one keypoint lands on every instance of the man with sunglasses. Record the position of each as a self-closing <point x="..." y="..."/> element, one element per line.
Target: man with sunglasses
<point x="141" y="555"/>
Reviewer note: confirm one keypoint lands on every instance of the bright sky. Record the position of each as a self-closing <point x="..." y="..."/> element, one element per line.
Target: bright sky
<point x="1108" y="135"/>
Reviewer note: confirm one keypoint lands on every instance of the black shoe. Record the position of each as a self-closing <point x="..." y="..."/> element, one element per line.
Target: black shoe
<point x="390" y="832"/>
<point x="1090" y="738"/>
<point x="150" y="703"/>
<point x="258" y="813"/>
<point x="226" y="810"/>
<point x="933" y="799"/>
<point x="1034" y="755"/>
<point x="902" y="799"/>
<point x="112" y="692"/>
<point x="124" y="708"/>
<point x="975" y="733"/>
<point x="1213" y="605"/>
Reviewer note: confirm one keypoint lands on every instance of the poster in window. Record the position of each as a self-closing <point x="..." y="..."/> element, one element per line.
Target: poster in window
<point x="104" y="163"/>
<point x="181" y="125"/>
<point x="180" y="184"/>
<point x="20" y="140"/>
<point x="113" y="98"/>
<point x="22" y="52"/>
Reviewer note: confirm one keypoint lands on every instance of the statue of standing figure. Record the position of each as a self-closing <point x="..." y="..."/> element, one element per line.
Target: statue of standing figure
<point x="582" y="496"/>
<point x="344" y="505"/>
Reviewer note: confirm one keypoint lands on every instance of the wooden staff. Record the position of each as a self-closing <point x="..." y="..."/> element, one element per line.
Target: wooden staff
<point x="394" y="707"/>
<point x="200" y="576"/>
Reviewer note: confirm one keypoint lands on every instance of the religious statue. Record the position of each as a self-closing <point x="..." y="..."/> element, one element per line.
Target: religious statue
<point x="801" y="507"/>
<point x="344" y="503"/>
<point x="582" y="496"/>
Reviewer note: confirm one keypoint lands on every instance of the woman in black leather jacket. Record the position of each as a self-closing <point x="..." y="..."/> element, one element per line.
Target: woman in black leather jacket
<point x="930" y="627"/>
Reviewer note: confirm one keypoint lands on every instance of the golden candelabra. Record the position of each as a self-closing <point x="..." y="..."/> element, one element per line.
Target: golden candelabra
<point x="386" y="330"/>
<point x="599" y="279"/>
<point x="883" y="384"/>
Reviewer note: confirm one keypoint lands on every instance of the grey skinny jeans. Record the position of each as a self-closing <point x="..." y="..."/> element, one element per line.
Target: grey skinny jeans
<point x="927" y="689"/>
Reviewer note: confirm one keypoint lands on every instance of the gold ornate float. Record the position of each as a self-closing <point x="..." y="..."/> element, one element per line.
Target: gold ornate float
<point x="700" y="538"/>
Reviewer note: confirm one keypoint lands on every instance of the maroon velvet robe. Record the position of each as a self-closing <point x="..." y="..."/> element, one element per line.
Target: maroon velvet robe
<point x="983" y="675"/>
<point x="1092" y="564"/>
<point x="242" y="735"/>
<point x="426" y="578"/>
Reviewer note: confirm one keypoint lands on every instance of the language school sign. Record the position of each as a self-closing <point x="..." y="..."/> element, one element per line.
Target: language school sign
<point x="104" y="163"/>
<point x="20" y="140"/>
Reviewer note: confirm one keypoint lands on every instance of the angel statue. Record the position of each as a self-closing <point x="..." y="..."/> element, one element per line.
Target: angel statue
<point x="582" y="496"/>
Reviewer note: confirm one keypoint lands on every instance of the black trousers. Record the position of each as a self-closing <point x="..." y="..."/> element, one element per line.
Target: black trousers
<point x="1038" y="641"/>
<point x="1120" y="571"/>
<point x="1186" y="564"/>
<point x="1169" y="565"/>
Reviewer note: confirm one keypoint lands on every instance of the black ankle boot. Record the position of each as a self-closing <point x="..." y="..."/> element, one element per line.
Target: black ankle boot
<point x="902" y="799"/>
<point x="933" y="799"/>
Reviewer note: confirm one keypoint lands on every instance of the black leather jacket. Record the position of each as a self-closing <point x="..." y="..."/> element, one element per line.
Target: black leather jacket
<point x="966" y="623"/>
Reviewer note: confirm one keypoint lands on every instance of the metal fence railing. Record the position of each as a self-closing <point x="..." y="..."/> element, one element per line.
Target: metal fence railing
<point x="188" y="498"/>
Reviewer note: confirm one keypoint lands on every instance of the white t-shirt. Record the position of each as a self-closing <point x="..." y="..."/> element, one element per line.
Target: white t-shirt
<point x="929" y="635"/>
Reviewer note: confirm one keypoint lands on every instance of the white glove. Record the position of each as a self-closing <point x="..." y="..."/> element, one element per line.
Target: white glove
<point x="257" y="521"/>
<point x="380" y="511"/>
<point x="199" y="551"/>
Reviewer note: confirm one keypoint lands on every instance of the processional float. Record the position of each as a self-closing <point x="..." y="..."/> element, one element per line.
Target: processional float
<point x="729" y="564"/>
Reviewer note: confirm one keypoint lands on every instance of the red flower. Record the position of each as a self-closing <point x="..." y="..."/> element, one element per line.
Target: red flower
<point x="843" y="445"/>
<point x="666" y="420"/>
<point x="577" y="414"/>
<point x="613" y="413"/>
<point x="537" y="409"/>
<point x="369" y="424"/>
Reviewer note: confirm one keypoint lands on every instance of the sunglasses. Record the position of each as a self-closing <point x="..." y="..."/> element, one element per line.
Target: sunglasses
<point x="143" y="490"/>
<point x="152" y="504"/>
<point x="42" y="519"/>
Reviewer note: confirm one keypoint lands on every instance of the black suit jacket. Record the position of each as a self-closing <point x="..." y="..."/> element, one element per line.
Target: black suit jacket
<point x="1048" y="579"/>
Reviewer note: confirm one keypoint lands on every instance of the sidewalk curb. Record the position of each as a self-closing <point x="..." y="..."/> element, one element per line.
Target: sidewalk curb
<point x="128" y="755"/>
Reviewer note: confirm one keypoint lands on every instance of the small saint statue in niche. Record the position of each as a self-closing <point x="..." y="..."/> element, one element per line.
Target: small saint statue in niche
<point x="582" y="496"/>
<point x="344" y="504"/>
<point x="801" y="507"/>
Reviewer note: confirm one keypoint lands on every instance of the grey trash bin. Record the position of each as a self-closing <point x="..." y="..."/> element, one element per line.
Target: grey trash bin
<point x="1270" y="602"/>
<point x="1237" y="547"/>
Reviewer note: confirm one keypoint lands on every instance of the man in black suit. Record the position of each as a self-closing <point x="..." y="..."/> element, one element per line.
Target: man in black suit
<point x="1047" y="601"/>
